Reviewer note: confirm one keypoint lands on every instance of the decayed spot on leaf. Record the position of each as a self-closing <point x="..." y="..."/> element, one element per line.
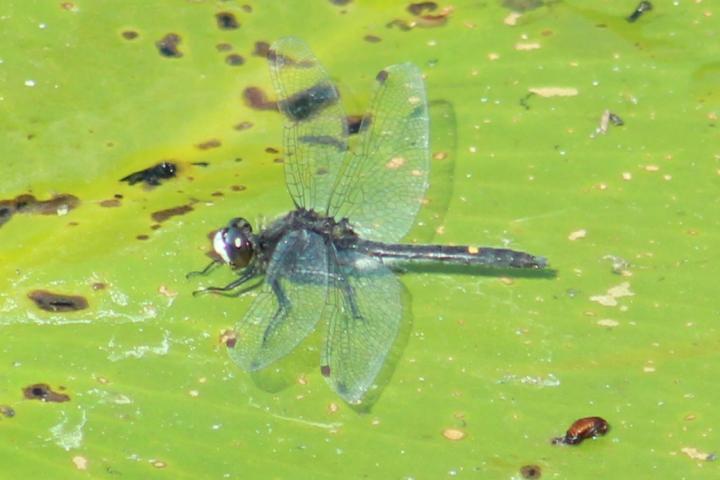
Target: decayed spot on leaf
<point x="696" y="454"/>
<point x="57" y="302"/>
<point x="577" y="235"/>
<point x="162" y="215"/>
<point x="43" y="392"/>
<point x="610" y="298"/>
<point x="554" y="91"/>
<point x="453" y="434"/>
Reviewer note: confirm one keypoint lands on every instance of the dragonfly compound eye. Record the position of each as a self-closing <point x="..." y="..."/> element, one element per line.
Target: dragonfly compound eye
<point x="234" y="244"/>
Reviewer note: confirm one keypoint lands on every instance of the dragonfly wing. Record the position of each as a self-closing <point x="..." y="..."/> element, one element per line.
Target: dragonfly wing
<point x="384" y="182"/>
<point x="316" y="132"/>
<point x="363" y="322"/>
<point x="289" y="304"/>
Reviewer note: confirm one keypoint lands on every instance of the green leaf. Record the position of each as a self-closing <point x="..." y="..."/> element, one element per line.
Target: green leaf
<point x="491" y="368"/>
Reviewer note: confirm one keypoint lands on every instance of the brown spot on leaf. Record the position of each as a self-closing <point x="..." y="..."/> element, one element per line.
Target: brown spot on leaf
<point x="271" y="150"/>
<point x="228" y="338"/>
<point x="142" y="237"/>
<point x="7" y="411"/>
<point x="110" y="203"/>
<point x="262" y="49"/>
<point x="355" y="123"/>
<point x="247" y="8"/>
<point x="255" y="98"/>
<point x="28" y="204"/>
<point x="234" y="59"/>
<point x="168" y="45"/>
<point x="57" y="302"/>
<point x="420" y="8"/>
<point x="237" y="188"/>
<point x="226" y="21"/>
<point x="99" y="286"/>
<point x="531" y="472"/>
<point x="401" y="24"/>
<point x="43" y="392"/>
<point x="130" y="34"/>
<point x="243" y="126"/>
<point x="372" y="38"/>
<point x="340" y="3"/>
<point x="162" y="215"/>
<point x="208" y="144"/>
<point x="223" y="47"/>
<point x="325" y="370"/>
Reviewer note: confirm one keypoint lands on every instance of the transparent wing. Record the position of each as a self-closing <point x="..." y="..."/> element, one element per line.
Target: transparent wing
<point x="363" y="322"/>
<point x="316" y="132"/>
<point x="383" y="183"/>
<point x="289" y="304"/>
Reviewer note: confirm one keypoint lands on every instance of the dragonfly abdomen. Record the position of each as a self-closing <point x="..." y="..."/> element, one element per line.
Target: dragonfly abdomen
<point x="456" y="254"/>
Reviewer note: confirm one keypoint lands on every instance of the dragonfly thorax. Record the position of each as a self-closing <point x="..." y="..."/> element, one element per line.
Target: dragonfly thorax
<point x="235" y="243"/>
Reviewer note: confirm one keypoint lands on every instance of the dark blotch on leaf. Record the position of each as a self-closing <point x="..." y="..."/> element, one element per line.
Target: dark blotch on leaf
<point x="243" y="126"/>
<point x="43" y="392"/>
<point x="234" y="59"/>
<point x="130" y="34"/>
<point x="521" y="6"/>
<point x="56" y="302"/>
<point x="372" y="39"/>
<point x="226" y="21"/>
<point x="152" y="175"/>
<point x="110" y="203"/>
<point x="255" y="98"/>
<point x="26" y="204"/>
<point x="162" y="215"/>
<point x="340" y="3"/>
<point x="208" y="144"/>
<point x="355" y="123"/>
<point x="168" y="45"/>
<point x="531" y="472"/>
<point x="419" y="8"/>
<point x="307" y="103"/>
<point x="325" y="370"/>
<point x="7" y="411"/>
<point x="261" y="49"/>
<point x="223" y="47"/>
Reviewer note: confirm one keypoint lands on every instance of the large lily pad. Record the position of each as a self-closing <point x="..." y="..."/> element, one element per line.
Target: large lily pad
<point x="490" y="368"/>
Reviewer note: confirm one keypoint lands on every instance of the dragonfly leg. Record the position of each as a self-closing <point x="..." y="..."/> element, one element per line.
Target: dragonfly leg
<point x="211" y="266"/>
<point x="246" y="275"/>
<point x="281" y="312"/>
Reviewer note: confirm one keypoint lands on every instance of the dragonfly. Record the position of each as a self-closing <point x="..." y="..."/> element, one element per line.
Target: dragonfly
<point x="331" y="259"/>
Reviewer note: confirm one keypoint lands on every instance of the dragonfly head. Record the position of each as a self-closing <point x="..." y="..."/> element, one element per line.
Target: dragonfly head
<point x="235" y="243"/>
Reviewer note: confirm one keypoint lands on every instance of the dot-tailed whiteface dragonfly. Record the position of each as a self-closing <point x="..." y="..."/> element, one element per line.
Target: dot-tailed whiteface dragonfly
<point x="328" y="259"/>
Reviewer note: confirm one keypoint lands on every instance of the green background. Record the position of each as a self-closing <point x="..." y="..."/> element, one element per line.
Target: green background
<point x="510" y="361"/>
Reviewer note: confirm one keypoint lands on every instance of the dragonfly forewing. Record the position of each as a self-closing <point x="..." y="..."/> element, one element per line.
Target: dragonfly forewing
<point x="383" y="183"/>
<point x="289" y="304"/>
<point x="316" y="132"/>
